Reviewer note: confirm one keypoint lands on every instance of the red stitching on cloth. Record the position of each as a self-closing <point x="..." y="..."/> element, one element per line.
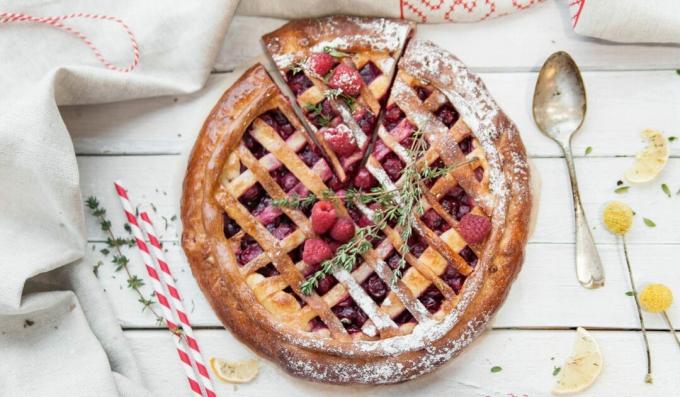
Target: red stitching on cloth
<point x="577" y="15"/>
<point x="10" y="17"/>
<point x="401" y="8"/>
<point x="520" y="6"/>
<point x="422" y="15"/>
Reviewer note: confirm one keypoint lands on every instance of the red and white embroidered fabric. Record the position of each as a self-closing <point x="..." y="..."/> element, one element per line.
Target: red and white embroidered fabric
<point x="433" y="11"/>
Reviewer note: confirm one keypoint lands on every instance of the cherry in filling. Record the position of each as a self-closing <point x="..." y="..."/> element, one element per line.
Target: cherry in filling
<point x="252" y="197"/>
<point x="422" y="92"/>
<point x="248" y="250"/>
<point x="456" y="202"/>
<point x="447" y="114"/>
<point x="316" y="324"/>
<point x="281" y="227"/>
<point x="369" y="72"/>
<point x="350" y="315"/>
<point x="230" y="226"/>
<point x="320" y="114"/>
<point x="278" y="121"/>
<point x="365" y="119"/>
<point x="431" y="298"/>
<point x="375" y="287"/>
<point x="309" y="155"/>
<point x="393" y="115"/>
<point x="469" y="255"/>
<point x="393" y="166"/>
<point x="452" y="278"/>
<point x="298" y="82"/>
<point x="253" y="145"/>
<point x="284" y="178"/>
<point x="268" y="271"/>
<point x="466" y="145"/>
<point x="404" y="317"/>
<point x="479" y="173"/>
<point x="417" y="245"/>
<point x="435" y="222"/>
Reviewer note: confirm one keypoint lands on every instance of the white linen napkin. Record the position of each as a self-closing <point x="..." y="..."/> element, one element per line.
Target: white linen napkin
<point x="627" y="21"/>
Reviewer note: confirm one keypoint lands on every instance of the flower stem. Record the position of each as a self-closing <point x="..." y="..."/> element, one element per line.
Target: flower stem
<point x="648" y="377"/>
<point x="670" y="325"/>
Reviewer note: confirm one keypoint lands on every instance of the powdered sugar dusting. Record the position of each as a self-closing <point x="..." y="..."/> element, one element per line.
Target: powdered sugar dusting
<point x="379" y="318"/>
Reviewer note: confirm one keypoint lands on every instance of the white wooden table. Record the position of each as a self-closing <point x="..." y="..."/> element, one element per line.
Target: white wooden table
<point x="630" y="87"/>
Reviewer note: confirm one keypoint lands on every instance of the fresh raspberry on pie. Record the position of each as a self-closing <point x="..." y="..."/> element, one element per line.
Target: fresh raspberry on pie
<point x="343" y="230"/>
<point x="316" y="251"/>
<point x="323" y="216"/>
<point x="341" y="140"/>
<point x="347" y="79"/>
<point x="320" y="63"/>
<point x="474" y="228"/>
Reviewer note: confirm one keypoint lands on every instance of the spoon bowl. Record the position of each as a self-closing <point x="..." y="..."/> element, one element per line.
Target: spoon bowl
<point x="560" y="98"/>
<point x="559" y="109"/>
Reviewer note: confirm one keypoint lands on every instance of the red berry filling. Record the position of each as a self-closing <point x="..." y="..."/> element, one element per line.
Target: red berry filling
<point x="298" y="82"/>
<point x="350" y="315"/>
<point x="323" y="216"/>
<point x="265" y="212"/>
<point x="393" y="115"/>
<point x="252" y="196"/>
<point x="456" y="202"/>
<point x="268" y="271"/>
<point x="281" y="227"/>
<point x="253" y="145"/>
<point x="284" y="178"/>
<point x="343" y="230"/>
<point x="321" y="63"/>
<point x="249" y="250"/>
<point x="403" y="318"/>
<point x="369" y="72"/>
<point x="453" y="279"/>
<point x="479" y="173"/>
<point x="393" y="166"/>
<point x="340" y="140"/>
<point x="230" y="226"/>
<point x="422" y="92"/>
<point x="447" y="114"/>
<point x="320" y="114"/>
<point x="316" y="324"/>
<point x="316" y="251"/>
<point x="364" y="180"/>
<point x="466" y="145"/>
<point x="347" y="79"/>
<point x="309" y="155"/>
<point x="375" y="287"/>
<point x="431" y="298"/>
<point x="365" y="119"/>
<point x="417" y="245"/>
<point x="469" y="255"/>
<point x="394" y="260"/>
<point x="433" y="220"/>
<point x="278" y="121"/>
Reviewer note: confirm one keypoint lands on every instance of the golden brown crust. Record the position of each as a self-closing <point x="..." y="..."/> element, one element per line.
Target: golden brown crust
<point x="341" y="359"/>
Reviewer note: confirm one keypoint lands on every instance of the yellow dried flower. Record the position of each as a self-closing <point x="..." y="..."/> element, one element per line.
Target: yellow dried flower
<point x="618" y="217"/>
<point x="656" y="298"/>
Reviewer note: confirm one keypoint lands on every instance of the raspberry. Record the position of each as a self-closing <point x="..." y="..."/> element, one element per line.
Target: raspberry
<point x="364" y="180"/>
<point x="316" y="251"/>
<point x="323" y="216"/>
<point x="321" y="63"/>
<point x="347" y="79"/>
<point x="474" y="228"/>
<point x="343" y="230"/>
<point x="340" y="140"/>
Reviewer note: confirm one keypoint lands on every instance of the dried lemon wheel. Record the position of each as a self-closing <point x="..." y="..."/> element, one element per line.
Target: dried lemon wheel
<point x="582" y="368"/>
<point x="234" y="372"/>
<point x="651" y="160"/>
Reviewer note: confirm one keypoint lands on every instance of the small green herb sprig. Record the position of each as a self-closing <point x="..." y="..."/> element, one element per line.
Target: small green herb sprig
<point x="336" y="93"/>
<point x="298" y="66"/>
<point x="334" y="52"/>
<point x="113" y="244"/>
<point x="316" y="111"/>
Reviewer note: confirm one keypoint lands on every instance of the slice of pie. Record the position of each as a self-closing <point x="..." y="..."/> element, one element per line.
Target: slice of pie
<point x="340" y="69"/>
<point x="389" y="275"/>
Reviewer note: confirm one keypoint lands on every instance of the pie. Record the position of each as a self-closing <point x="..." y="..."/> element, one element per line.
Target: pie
<point x="343" y="272"/>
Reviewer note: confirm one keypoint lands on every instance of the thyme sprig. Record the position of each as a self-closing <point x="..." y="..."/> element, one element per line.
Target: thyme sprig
<point x="335" y="53"/>
<point x="316" y="111"/>
<point x="118" y="259"/>
<point x="298" y="66"/>
<point x="336" y="93"/>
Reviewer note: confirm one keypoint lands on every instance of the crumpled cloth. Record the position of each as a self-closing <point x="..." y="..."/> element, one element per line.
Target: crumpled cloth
<point x="58" y="334"/>
<point x="627" y="21"/>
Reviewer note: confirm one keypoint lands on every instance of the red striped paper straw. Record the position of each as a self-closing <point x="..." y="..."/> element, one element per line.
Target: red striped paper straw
<point x="166" y="310"/>
<point x="166" y="274"/>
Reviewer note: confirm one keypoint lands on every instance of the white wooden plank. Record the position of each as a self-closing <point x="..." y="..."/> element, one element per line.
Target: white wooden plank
<point x="158" y="179"/>
<point x="621" y="105"/>
<point x="545" y="295"/>
<point x="527" y="358"/>
<point x="519" y="42"/>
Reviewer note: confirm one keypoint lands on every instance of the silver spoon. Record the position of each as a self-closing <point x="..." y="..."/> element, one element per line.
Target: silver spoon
<point x="559" y="109"/>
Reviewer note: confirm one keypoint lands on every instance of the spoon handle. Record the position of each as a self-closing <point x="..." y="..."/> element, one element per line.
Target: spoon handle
<point x="589" y="269"/>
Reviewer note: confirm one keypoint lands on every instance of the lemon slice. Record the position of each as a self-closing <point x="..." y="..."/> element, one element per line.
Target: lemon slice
<point x="234" y="372"/>
<point x="650" y="161"/>
<point x="582" y="368"/>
